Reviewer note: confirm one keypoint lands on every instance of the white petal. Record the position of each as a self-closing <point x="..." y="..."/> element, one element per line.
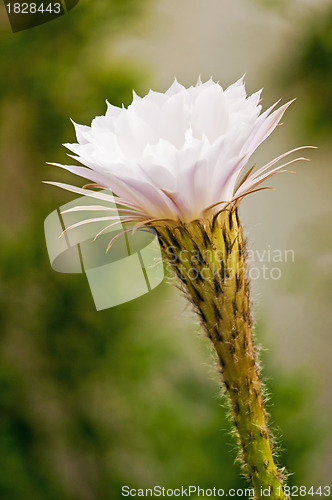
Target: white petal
<point x="267" y="127"/>
<point x="175" y="88"/>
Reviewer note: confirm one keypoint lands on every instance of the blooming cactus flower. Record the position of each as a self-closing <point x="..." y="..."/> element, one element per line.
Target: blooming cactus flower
<point x="177" y="155"/>
<point x="175" y="161"/>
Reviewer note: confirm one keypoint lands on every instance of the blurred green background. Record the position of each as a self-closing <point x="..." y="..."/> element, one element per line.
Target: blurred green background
<point x="91" y="401"/>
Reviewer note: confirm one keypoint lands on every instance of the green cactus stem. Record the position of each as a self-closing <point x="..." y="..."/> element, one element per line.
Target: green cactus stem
<point x="208" y="258"/>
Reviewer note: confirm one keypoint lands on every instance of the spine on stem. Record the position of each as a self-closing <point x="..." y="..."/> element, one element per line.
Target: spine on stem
<point x="209" y="260"/>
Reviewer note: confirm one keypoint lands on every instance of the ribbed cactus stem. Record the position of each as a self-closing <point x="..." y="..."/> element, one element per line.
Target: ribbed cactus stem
<point x="209" y="259"/>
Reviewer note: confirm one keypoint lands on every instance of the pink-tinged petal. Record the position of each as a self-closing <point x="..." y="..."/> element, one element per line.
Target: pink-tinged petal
<point x="86" y="173"/>
<point x="119" y="220"/>
<point x="152" y="199"/>
<point x="101" y="208"/>
<point x="192" y="188"/>
<point x="271" y="123"/>
<point x="252" y="181"/>
<point x="175" y="88"/>
<point x="225" y="182"/>
<point x="267" y="127"/>
<point x="88" y="162"/>
<point x="271" y="163"/>
<point x="92" y="194"/>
